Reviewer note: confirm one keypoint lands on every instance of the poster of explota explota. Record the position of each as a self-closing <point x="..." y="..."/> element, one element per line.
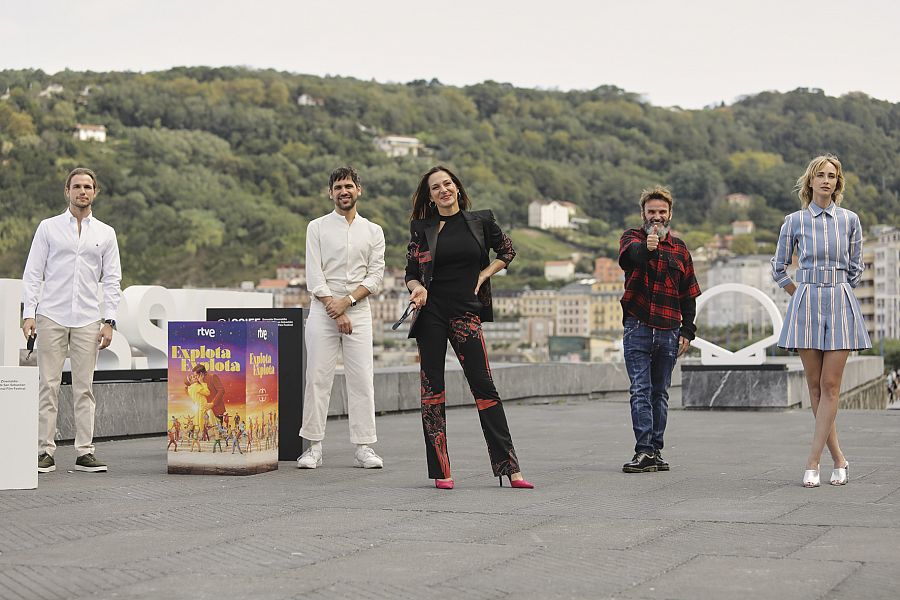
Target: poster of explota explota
<point x="222" y="397"/>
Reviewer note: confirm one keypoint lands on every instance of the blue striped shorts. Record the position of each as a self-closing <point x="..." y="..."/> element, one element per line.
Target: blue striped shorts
<point x="824" y="317"/>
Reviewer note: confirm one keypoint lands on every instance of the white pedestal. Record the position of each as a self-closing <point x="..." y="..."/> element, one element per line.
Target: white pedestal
<point x="18" y="440"/>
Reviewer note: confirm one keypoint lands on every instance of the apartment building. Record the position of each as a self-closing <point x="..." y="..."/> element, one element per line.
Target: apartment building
<point x="538" y="303"/>
<point x="865" y="291"/>
<point x="887" y="283"/>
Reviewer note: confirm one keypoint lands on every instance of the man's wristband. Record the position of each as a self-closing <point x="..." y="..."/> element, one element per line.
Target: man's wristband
<point x="352" y="300"/>
<point x="109" y="322"/>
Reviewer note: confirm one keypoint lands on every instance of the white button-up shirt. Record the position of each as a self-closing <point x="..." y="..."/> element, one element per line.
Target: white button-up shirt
<point x="341" y="256"/>
<point x="71" y="266"/>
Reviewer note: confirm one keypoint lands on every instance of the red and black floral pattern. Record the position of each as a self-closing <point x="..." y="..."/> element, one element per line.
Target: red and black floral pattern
<point x="506" y="465"/>
<point x="465" y="328"/>
<point x="504" y="248"/>
<point x="418" y="257"/>
<point x="434" y="424"/>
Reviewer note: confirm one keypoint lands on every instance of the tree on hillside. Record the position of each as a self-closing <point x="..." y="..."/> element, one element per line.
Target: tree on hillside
<point x="210" y="175"/>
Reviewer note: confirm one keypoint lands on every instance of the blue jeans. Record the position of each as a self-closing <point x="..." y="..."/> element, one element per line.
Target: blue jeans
<point x="650" y="356"/>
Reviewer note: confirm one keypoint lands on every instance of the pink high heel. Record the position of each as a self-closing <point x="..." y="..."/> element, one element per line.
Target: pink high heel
<point x="517" y="483"/>
<point x="443" y="484"/>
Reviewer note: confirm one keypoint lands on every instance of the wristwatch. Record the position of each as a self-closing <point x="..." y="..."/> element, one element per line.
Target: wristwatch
<point x="352" y="299"/>
<point x="109" y="322"/>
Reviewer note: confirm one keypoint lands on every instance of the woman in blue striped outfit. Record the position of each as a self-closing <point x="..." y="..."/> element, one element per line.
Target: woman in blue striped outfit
<point x="823" y="321"/>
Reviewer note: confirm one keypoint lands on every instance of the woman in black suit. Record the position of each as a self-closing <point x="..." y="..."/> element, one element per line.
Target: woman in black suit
<point x="448" y="273"/>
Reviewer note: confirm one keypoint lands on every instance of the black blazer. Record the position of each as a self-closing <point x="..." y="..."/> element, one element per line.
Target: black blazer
<point x="420" y="258"/>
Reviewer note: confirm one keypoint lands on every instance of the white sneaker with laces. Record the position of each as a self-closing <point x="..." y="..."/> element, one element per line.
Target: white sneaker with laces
<point x="367" y="459"/>
<point x="310" y="459"/>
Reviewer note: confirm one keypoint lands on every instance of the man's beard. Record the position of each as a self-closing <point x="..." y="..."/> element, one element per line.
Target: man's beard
<point x="662" y="227"/>
<point x="341" y="203"/>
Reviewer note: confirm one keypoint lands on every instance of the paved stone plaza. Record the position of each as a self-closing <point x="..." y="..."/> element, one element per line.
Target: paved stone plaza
<point x="729" y="521"/>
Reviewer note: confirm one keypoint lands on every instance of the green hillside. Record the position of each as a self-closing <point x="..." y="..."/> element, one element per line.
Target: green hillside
<point x="535" y="243"/>
<point x="211" y="175"/>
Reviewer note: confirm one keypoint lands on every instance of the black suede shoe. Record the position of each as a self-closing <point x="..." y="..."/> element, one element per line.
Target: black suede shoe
<point x="90" y="464"/>
<point x="641" y="463"/>
<point x="661" y="464"/>
<point x="46" y="463"/>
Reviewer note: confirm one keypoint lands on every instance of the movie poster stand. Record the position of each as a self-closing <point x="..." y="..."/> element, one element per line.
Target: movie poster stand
<point x="291" y="354"/>
<point x="222" y="397"/>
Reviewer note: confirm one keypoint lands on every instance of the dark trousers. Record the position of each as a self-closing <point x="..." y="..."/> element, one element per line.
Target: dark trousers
<point x="650" y="356"/>
<point x="435" y="325"/>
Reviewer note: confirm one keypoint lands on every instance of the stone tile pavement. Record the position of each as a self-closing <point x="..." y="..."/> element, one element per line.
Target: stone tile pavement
<point x="729" y="521"/>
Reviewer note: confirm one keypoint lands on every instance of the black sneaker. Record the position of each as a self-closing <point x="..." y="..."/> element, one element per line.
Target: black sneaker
<point x="46" y="463"/>
<point x="87" y="462"/>
<point x="661" y="464"/>
<point x="641" y="463"/>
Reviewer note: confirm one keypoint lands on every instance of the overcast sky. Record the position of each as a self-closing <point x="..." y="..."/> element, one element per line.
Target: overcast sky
<point x="685" y="53"/>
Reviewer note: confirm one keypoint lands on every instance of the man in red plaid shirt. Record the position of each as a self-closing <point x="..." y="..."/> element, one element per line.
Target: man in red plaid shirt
<point x="658" y="307"/>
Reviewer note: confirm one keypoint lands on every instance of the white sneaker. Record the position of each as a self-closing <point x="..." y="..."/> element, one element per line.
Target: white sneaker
<point x="367" y="459"/>
<point x="310" y="459"/>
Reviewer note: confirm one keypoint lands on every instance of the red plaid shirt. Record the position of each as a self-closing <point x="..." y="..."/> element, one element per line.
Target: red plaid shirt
<point x="660" y="286"/>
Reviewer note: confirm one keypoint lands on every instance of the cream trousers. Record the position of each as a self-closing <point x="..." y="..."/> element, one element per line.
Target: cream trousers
<point x="324" y="343"/>
<point x="54" y="342"/>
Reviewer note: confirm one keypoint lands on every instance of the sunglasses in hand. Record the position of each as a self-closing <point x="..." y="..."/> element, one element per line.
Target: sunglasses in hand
<point x="30" y="344"/>
<point x="410" y="309"/>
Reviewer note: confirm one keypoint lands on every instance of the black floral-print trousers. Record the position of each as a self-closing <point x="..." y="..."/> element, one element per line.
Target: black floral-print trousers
<point x="436" y="324"/>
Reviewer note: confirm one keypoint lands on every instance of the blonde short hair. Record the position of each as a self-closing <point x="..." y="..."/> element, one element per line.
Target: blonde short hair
<point x="657" y="192"/>
<point x="804" y="184"/>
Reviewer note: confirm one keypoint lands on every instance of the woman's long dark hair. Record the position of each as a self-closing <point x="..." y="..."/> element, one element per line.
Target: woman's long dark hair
<point x="422" y="207"/>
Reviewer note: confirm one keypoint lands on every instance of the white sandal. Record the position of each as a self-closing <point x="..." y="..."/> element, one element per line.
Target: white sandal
<point x="811" y="478"/>
<point x="841" y="476"/>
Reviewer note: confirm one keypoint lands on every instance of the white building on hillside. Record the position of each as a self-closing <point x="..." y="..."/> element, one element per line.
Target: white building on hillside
<point x="559" y="270"/>
<point x="399" y="145"/>
<point x="90" y="133"/>
<point x="307" y="100"/>
<point x="739" y="200"/>
<point x="548" y="215"/>
<point x="742" y="228"/>
<point x="53" y="88"/>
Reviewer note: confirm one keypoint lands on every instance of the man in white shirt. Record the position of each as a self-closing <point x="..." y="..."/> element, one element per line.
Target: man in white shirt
<point x="344" y="264"/>
<point x="70" y="255"/>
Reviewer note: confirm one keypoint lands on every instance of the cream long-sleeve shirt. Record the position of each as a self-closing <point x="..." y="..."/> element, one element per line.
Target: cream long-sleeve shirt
<point x="72" y="269"/>
<point x="341" y="256"/>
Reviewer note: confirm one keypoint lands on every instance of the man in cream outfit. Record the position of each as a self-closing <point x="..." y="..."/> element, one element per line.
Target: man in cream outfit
<point x="70" y="255"/>
<point x="344" y="264"/>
